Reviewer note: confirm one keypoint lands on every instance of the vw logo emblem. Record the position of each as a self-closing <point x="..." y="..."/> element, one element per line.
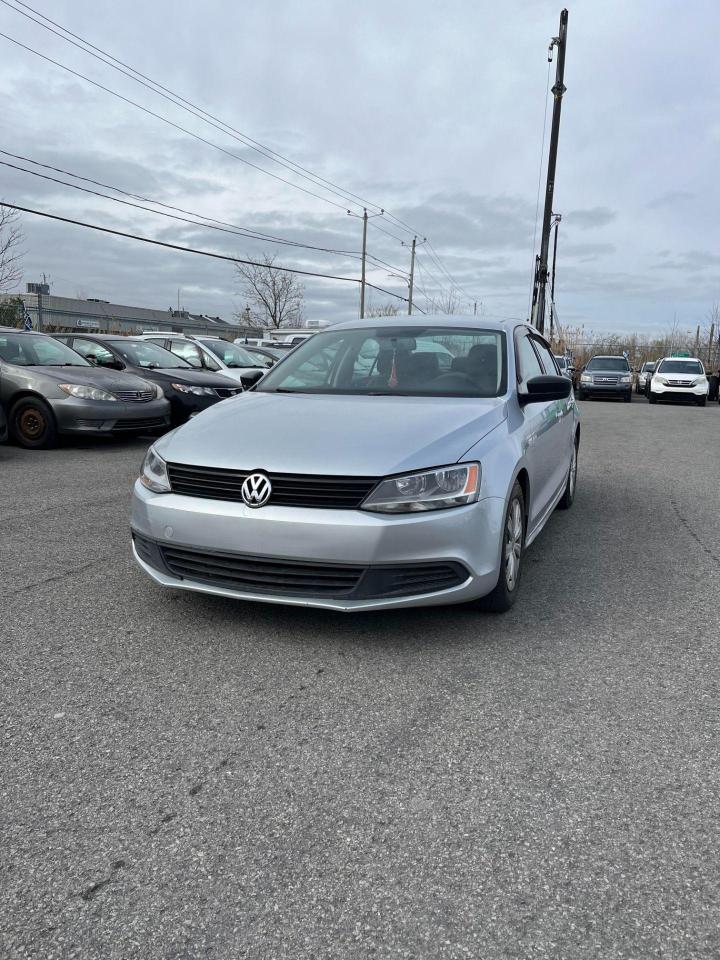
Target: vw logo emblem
<point x="256" y="490"/>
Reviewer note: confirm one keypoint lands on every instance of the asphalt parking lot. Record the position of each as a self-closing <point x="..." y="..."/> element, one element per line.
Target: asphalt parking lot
<point x="188" y="777"/>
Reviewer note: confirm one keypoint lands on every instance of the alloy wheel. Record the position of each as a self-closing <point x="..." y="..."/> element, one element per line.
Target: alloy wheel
<point x="573" y="471"/>
<point x="513" y="543"/>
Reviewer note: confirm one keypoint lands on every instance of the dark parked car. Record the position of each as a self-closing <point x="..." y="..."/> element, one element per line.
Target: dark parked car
<point x="606" y="376"/>
<point x="188" y="390"/>
<point x="47" y="389"/>
<point x="3" y="426"/>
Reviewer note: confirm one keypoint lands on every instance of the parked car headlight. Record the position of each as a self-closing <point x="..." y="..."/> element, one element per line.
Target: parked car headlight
<point x="197" y="391"/>
<point x="84" y="391"/>
<point x="626" y="378"/>
<point x="154" y="473"/>
<point x="437" y="489"/>
<point x="585" y="378"/>
<point x="159" y="392"/>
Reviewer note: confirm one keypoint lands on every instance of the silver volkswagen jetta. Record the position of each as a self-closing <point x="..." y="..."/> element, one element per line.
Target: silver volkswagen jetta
<point x="383" y="463"/>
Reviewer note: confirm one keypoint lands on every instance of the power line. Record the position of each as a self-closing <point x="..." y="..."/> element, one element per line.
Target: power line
<point x="219" y="225"/>
<point x="187" y="105"/>
<point x="156" y="87"/>
<point x="202" y="253"/>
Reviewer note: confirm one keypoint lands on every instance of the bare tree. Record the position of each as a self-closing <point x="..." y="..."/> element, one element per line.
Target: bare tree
<point x="11" y="238"/>
<point x="382" y="310"/>
<point x="276" y="298"/>
<point x="447" y="303"/>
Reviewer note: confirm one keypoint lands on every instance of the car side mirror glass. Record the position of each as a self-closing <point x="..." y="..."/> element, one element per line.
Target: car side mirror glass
<point x="545" y="388"/>
<point x="109" y="362"/>
<point x="250" y="379"/>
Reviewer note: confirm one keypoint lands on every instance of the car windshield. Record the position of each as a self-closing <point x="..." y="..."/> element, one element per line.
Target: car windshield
<point x="561" y="362"/>
<point x="31" y="350"/>
<point x="231" y="355"/>
<point x="693" y="367"/>
<point x="401" y="361"/>
<point x="142" y="353"/>
<point x="647" y="367"/>
<point x="618" y="364"/>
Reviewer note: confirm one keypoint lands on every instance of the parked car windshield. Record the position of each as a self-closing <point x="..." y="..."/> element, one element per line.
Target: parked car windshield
<point x="231" y="355"/>
<point x="609" y="363"/>
<point x="141" y="353"/>
<point x="681" y="366"/>
<point x="407" y="361"/>
<point x="561" y="362"/>
<point x="30" y="350"/>
<point x="647" y="367"/>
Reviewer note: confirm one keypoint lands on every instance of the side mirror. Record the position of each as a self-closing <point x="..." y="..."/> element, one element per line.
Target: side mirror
<point x="545" y="388"/>
<point x="111" y="363"/>
<point x="92" y="359"/>
<point x="250" y="379"/>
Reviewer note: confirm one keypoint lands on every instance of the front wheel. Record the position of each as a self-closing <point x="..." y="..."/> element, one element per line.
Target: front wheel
<point x="581" y="395"/>
<point x="628" y="398"/>
<point x="701" y="402"/>
<point x="566" y="501"/>
<point x="513" y="543"/>
<point x="651" y="397"/>
<point x="32" y="424"/>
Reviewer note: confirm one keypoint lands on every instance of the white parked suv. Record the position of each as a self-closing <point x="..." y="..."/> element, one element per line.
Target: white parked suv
<point x="675" y="377"/>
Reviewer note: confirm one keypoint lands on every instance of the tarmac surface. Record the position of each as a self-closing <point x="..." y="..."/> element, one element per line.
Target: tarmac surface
<point x="192" y="777"/>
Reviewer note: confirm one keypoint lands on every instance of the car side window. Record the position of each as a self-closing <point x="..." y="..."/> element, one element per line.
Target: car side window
<point x="527" y="361"/>
<point x="546" y="357"/>
<point x="88" y="348"/>
<point x="208" y="361"/>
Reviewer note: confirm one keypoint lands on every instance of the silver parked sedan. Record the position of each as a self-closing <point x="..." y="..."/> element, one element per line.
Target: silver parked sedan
<point x="355" y="485"/>
<point x="47" y="389"/>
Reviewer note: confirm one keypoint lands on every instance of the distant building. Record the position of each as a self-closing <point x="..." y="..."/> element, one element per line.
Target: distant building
<point x="56" y="314"/>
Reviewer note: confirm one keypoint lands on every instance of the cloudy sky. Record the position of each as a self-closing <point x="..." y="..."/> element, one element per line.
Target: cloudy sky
<point x="434" y="112"/>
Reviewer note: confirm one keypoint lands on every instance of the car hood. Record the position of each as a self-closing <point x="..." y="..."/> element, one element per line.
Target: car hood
<point x="96" y="376"/>
<point x="341" y="435"/>
<point x="184" y="375"/>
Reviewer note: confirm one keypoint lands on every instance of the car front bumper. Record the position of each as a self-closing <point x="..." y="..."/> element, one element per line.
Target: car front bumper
<point x="466" y="537"/>
<point x="667" y="391"/>
<point x="605" y="389"/>
<point x="105" y="417"/>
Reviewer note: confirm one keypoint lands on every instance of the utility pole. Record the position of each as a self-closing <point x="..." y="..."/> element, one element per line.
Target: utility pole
<point x="558" y="218"/>
<point x="413" y="247"/>
<point x="365" y="218"/>
<point x="541" y="263"/>
<point x="710" y="344"/>
<point x="364" y="253"/>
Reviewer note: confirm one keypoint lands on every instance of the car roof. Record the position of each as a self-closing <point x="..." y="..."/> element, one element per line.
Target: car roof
<point x="432" y="320"/>
<point x="685" y="359"/>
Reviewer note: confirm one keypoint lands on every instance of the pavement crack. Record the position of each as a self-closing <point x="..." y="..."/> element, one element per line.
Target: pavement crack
<point x="696" y="537"/>
<point x="94" y="889"/>
<point x="59" y="576"/>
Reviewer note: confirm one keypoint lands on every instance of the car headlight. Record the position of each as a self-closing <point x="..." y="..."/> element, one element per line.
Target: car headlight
<point x="626" y="378"/>
<point x="154" y="473"/>
<point x="159" y="392"/>
<point x="585" y="378"/>
<point x="197" y="391"/>
<point x="436" y="489"/>
<point x="698" y="381"/>
<point x="83" y="391"/>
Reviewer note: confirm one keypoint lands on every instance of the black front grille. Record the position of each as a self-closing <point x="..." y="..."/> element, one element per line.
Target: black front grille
<point x="224" y="392"/>
<point x="288" y="489"/>
<point x="261" y="574"/>
<point x="298" y="578"/>
<point x="141" y="423"/>
<point x="135" y="396"/>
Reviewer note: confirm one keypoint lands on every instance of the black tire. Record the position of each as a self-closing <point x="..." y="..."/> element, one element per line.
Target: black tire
<point x="581" y="395"/>
<point x="566" y="501"/>
<point x="628" y="398"/>
<point x="701" y="402"/>
<point x="504" y="594"/>
<point x="651" y="397"/>
<point x="32" y="424"/>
